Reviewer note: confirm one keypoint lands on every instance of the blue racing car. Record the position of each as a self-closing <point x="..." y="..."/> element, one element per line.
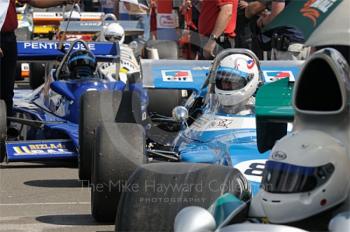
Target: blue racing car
<point x="215" y="125"/>
<point x="48" y="118"/>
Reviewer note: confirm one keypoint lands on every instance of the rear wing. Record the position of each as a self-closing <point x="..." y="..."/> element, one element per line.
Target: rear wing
<point x="54" y="18"/>
<point x="50" y="50"/>
<point x="273" y="111"/>
<point x="274" y="102"/>
<point x="191" y="75"/>
<point x="131" y="27"/>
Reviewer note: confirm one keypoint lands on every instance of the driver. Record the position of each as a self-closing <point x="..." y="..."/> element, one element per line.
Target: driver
<point x="236" y="80"/>
<point x="82" y="64"/>
<point x="114" y="33"/>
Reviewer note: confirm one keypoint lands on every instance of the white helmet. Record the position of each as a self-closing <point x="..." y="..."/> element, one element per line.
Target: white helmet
<point x="307" y="173"/>
<point x="114" y="32"/>
<point x="236" y="79"/>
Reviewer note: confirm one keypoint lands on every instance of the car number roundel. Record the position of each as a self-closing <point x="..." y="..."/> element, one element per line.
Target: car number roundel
<point x="252" y="169"/>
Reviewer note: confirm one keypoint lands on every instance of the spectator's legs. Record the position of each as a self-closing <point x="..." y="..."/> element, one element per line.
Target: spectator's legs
<point x="145" y="23"/>
<point x="8" y="69"/>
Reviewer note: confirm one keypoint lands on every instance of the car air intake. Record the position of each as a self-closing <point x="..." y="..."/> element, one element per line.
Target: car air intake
<point x="321" y="88"/>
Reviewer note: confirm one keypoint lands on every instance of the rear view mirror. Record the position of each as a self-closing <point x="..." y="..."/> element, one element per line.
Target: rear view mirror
<point x="194" y="219"/>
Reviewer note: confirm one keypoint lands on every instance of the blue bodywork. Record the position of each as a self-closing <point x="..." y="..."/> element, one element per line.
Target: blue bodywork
<point x="215" y="137"/>
<point x="55" y="104"/>
<point x="228" y="140"/>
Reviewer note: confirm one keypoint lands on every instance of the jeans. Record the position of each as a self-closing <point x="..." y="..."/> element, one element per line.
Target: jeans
<point x="145" y="23"/>
<point x="8" y="69"/>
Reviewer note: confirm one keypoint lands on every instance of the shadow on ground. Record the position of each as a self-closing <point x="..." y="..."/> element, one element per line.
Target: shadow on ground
<point x="70" y="220"/>
<point x="48" y="164"/>
<point x="56" y="183"/>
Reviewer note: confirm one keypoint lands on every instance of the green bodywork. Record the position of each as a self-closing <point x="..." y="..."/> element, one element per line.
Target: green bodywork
<point x="296" y="13"/>
<point x="274" y="101"/>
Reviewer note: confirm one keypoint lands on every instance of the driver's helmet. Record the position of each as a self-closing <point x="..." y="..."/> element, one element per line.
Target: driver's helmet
<point x="114" y="33"/>
<point x="236" y="80"/>
<point x="82" y="63"/>
<point x="306" y="173"/>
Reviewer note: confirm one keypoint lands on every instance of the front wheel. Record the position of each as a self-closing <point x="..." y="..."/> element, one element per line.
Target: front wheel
<point x="120" y="149"/>
<point x="163" y="189"/>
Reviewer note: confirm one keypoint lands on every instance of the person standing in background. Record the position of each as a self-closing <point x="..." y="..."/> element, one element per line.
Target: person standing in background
<point x="217" y="24"/>
<point x="8" y="44"/>
<point x="287" y="43"/>
<point x="107" y="6"/>
<point x="141" y="12"/>
<point x="243" y="37"/>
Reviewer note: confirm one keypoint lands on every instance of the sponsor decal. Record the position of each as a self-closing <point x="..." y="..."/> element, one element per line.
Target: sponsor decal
<point x="279" y="155"/>
<point x="47" y="15"/>
<point x="167" y="21"/>
<point x="275" y="75"/>
<point x="312" y="9"/>
<point x="87" y="15"/>
<point x="25" y="67"/>
<point x="210" y="123"/>
<point x="37" y="149"/>
<point x="250" y="64"/>
<point x="54" y="45"/>
<point x="177" y="75"/>
<point x="90" y="24"/>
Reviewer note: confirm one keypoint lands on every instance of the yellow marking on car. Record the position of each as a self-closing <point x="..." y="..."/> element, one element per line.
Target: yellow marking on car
<point x="44" y="29"/>
<point x="39" y="149"/>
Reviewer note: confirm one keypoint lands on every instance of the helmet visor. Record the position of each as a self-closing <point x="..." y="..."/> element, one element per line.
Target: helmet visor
<point x="113" y="38"/>
<point x="230" y="79"/>
<point x="287" y="178"/>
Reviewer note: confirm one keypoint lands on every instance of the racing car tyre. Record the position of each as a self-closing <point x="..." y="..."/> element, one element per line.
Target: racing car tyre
<point x="163" y="189"/>
<point x="36" y="74"/>
<point x="19" y="72"/>
<point x="167" y="49"/>
<point x="94" y="107"/>
<point x="267" y="133"/>
<point x="163" y="101"/>
<point x="120" y="149"/>
<point x="3" y="129"/>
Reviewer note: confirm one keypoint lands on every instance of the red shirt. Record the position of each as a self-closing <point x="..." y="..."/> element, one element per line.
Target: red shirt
<point x="11" y="22"/>
<point x="209" y="12"/>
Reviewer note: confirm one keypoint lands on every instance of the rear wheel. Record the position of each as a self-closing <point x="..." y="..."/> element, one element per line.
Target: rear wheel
<point x="164" y="189"/>
<point x="3" y="130"/>
<point x="36" y="75"/>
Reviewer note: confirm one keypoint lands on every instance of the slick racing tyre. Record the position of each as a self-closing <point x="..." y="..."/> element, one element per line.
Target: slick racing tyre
<point x="36" y="75"/>
<point x="94" y="107"/>
<point x="19" y="72"/>
<point x="3" y="129"/>
<point x="156" y="192"/>
<point x="267" y="133"/>
<point x="120" y="149"/>
<point x="167" y="49"/>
